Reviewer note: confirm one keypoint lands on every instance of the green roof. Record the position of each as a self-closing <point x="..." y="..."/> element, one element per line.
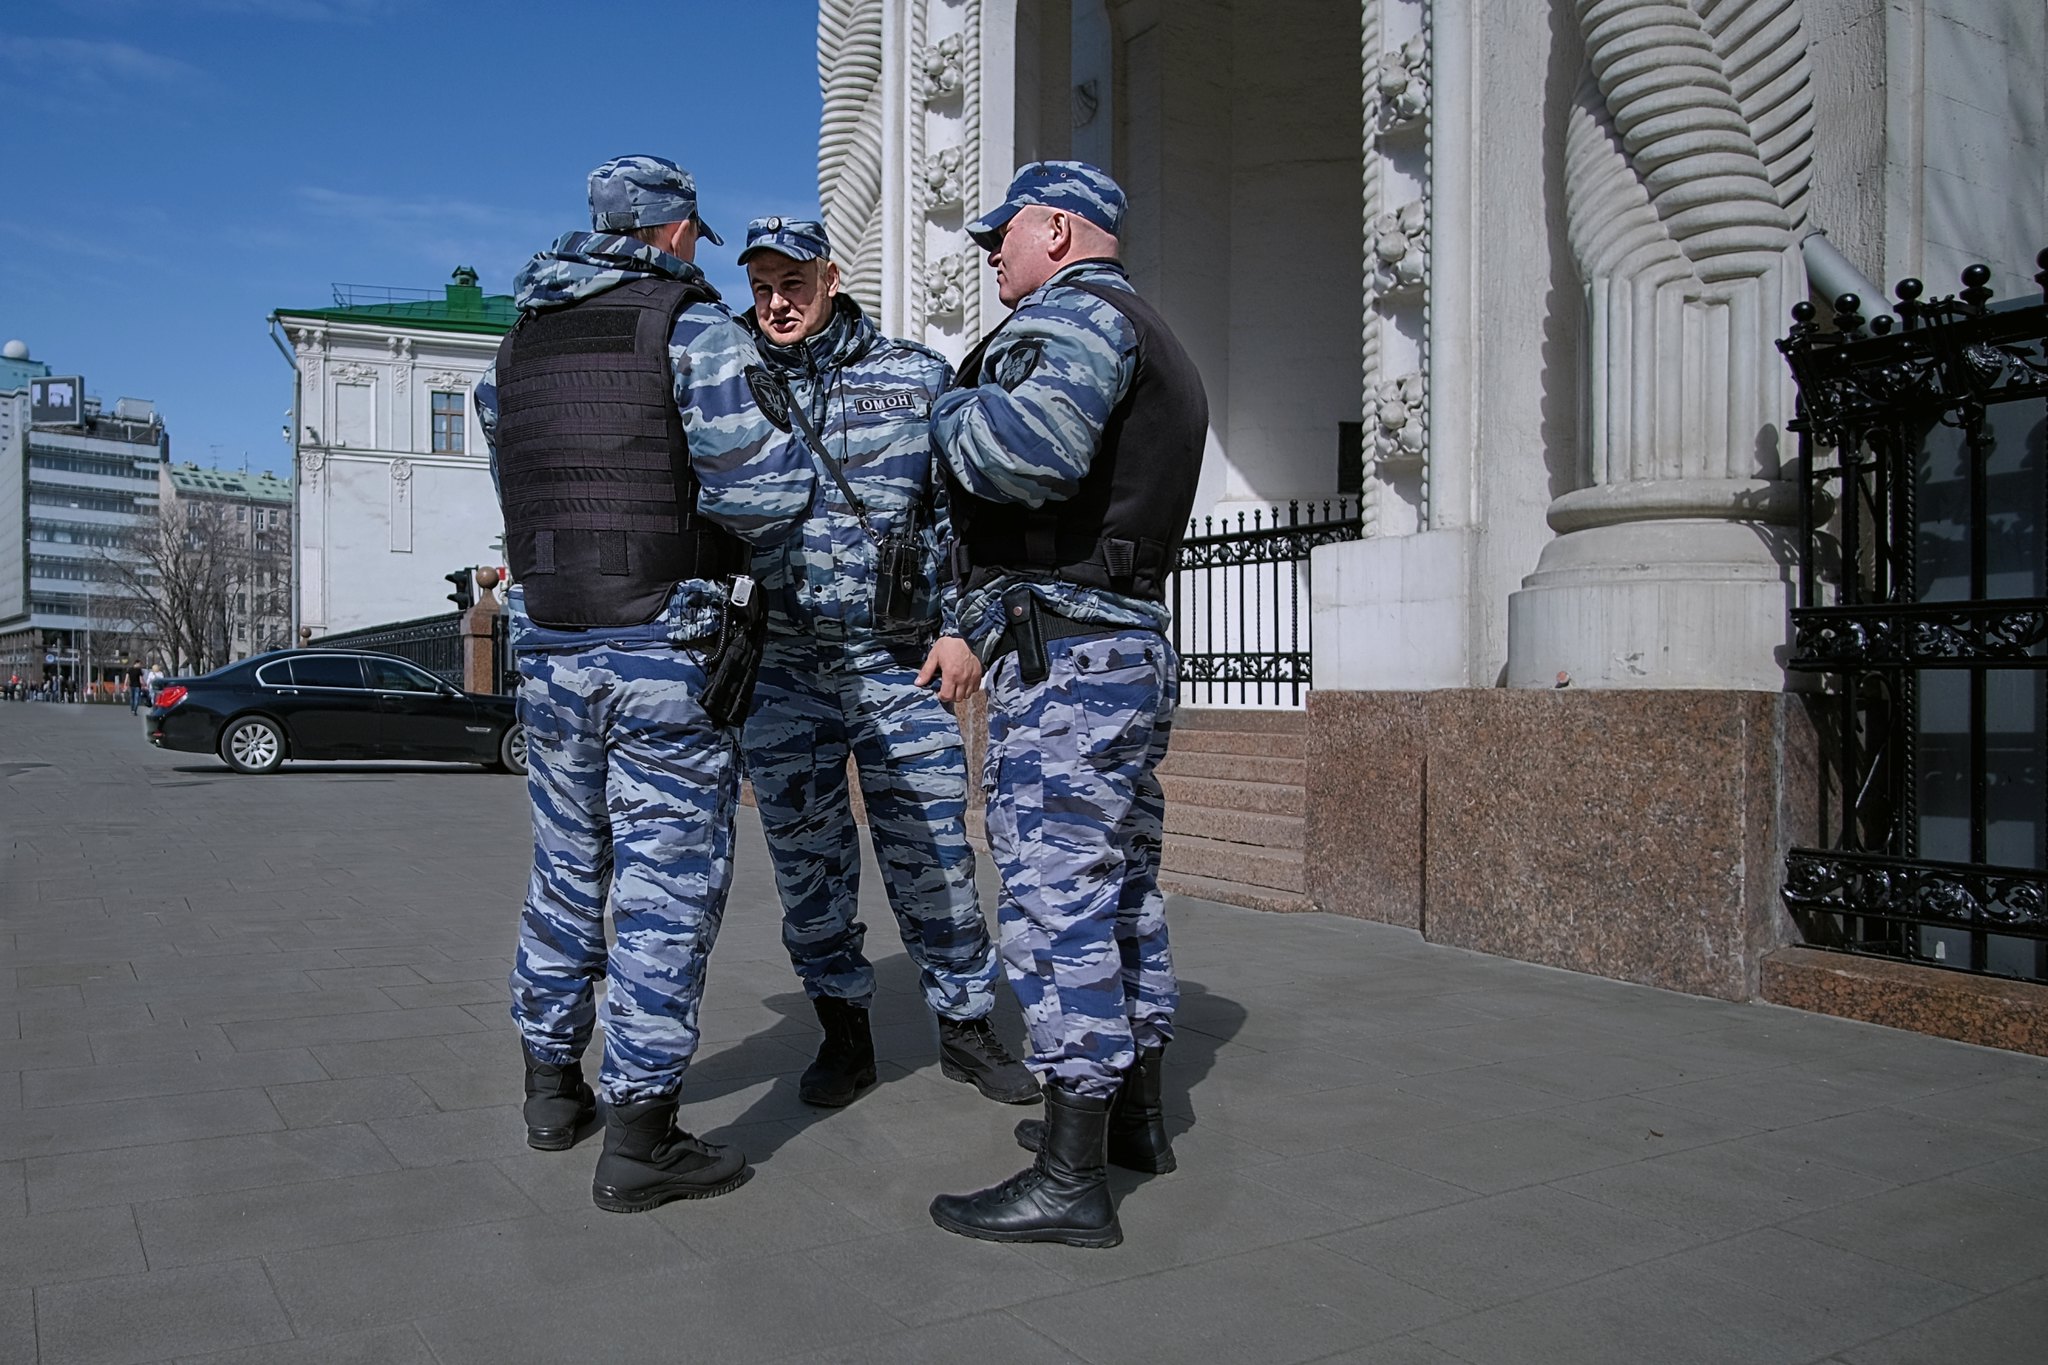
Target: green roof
<point x="463" y="308"/>
<point x="230" y="483"/>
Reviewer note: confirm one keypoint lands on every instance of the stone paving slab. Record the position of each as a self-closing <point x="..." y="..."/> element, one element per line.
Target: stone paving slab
<point x="259" y="1104"/>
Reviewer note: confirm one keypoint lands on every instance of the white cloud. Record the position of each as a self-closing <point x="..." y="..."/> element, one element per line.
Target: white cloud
<point x="91" y="66"/>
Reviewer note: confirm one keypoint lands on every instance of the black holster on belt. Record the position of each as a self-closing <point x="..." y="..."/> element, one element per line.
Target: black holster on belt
<point x="1024" y="632"/>
<point x="733" y="662"/>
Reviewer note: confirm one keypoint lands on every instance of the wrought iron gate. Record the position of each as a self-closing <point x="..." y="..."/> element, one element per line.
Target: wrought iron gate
<point x="1241" y="620"/>
<point x="1923" y="603"/>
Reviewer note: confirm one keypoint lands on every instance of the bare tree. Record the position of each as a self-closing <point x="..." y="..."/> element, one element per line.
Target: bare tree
<point x="189" y="575"/>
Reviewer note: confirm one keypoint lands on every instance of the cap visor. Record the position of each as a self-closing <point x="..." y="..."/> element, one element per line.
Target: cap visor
<point x="987" y="230"/>
<point x="704" y="231"/>
<point x="795" y="253"/>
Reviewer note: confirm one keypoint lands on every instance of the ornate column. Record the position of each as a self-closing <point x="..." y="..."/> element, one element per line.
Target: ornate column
<point x="1686" y="166"/>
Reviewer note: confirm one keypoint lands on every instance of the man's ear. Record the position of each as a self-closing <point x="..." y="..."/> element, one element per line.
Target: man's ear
<point x="831" y="278"/>
<point x="1059" y="231"/>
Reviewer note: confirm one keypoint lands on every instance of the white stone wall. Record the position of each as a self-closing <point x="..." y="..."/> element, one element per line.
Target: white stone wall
<point x="381" y="516"/>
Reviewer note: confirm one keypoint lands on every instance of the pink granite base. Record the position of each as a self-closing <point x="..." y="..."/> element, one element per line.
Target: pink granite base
<point x="1637" y="835"/>
<point x="1988" y="1011"/>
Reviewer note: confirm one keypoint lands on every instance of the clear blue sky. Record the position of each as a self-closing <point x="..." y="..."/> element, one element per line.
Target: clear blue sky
<point x="173" y="170"/>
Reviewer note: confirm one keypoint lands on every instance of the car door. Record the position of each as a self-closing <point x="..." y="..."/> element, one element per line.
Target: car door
<point x="332" y="713"/>
<point x="418" y="718"/>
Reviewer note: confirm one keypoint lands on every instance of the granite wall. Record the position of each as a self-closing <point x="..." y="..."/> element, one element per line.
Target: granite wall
<point x="1632" y="834"/>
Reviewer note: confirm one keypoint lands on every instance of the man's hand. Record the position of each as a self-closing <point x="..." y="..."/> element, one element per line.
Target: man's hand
<point x="955" y="666"/>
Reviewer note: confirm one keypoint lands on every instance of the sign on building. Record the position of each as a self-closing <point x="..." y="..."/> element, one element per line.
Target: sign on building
<point x="57" y="401"/>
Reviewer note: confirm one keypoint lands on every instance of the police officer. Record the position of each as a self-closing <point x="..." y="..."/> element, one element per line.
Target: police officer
<point x="1074" y="436"/>
<point x="859" y="627"/>
<point x="629" y="418"/>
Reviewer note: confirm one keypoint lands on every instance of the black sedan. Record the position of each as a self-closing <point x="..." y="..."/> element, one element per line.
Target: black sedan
<point x="333" y="703"/>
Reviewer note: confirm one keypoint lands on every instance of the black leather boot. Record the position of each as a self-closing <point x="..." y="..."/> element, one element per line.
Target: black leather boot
<point x="560" y="1110"/>
<point x="970" y="1051"/>
<point x="1061" y="1197"/>
<point x="845" y="1064"/>
<point x="647" y="1161"/>
<point x="1137" y="1121"/>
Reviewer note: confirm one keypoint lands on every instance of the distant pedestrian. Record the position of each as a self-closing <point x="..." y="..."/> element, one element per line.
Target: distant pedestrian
<point x="134" y="688"/>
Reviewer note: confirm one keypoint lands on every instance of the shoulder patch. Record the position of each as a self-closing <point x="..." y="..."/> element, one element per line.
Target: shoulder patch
<point x="904" y="399"/>
<point x="1017" y="364"/>
<point x="771" y="395"/>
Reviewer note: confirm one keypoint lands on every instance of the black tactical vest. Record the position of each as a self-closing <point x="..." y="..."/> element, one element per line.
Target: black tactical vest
<point x="1124" y="524"/>
<point x="593" y="466"/>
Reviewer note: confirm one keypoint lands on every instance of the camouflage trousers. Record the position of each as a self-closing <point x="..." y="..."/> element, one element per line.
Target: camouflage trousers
<point x="810" y="711"/>
<point x="1074" y="822"/>
<point x="633" y="792"/>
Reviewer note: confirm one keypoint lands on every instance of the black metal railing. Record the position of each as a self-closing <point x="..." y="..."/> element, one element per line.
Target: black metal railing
<point x="1923" y="605"/>
<point x="432" y="642"/>
<point x="1240" y="599"/>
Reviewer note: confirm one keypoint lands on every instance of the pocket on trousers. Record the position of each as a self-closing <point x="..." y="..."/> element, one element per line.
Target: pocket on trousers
<point x="1118" y="688"/>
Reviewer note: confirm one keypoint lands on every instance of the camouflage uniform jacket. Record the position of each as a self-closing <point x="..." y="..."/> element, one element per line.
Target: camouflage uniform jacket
<point x="869" y="398"/>
<point x="1028" y="432"/>
<point x="754" y="480"/>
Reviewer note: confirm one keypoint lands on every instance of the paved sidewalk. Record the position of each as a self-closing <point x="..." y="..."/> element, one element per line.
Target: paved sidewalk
<point x="258" y="1103"/>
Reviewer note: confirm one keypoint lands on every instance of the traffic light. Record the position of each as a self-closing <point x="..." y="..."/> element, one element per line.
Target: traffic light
<point x="464" y="596"/>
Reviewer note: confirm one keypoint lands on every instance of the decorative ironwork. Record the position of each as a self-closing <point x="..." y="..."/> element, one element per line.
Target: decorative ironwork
<point x="432" y="642"/>
<point x="1923" y="607"/>
<point x="1238" y="593"/>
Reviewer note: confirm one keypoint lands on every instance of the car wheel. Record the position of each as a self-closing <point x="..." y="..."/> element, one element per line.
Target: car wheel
<point x="253" y="745"/>
<point x="512" y="750"/>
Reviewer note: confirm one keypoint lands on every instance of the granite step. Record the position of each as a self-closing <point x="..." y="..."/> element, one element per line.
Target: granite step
<point x="1232" y="794"/>
<point x="1181" y="762"/>
<point x="1234" y="893"/>
<point x="1258" y="743"/>
<point x="1277" y="869"/>
<point x="1261" y="720"/>
<point x="1269" y="833"/>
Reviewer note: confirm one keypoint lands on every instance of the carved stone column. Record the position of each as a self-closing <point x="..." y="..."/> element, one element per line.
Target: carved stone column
<point x="1686" y="166"/>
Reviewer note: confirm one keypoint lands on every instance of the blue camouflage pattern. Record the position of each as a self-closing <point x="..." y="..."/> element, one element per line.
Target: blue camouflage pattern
<point x="632" y="786"/>
<point x="1074" y="186"/>
<point x="630" y="192"/>
<point x="633" y="789"/>
<point x="1075" y="819"/>
<point x="835" y="683"/>
<point x="1028" y="432"/>
<point x="800" y="239"/>
<point x="813" y="707"/>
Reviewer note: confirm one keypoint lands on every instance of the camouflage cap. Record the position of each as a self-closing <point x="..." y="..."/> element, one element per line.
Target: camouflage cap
<point x="800" y="239"/>
<point x="630" y="192"/>
<point x="1073" y="186"/>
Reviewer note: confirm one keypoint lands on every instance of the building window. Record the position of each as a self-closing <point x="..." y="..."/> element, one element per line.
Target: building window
<point x="449" y="423"/>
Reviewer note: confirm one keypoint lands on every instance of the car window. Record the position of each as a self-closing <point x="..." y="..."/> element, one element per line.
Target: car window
<point x="389" y="675"/>
<point x="327" y="670"/>
<point x="277" y="674"/>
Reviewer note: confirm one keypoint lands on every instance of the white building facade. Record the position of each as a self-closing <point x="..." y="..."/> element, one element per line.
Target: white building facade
<point x="393" y="478"/>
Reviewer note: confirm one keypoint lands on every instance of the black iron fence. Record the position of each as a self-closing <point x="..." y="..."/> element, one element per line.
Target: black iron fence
<point x="1241" y="610"/>
<point x="432" y="642"/>
<point x="1923" y="605"/>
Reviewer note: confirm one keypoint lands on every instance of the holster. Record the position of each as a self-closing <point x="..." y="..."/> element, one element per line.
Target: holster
<point x="1024" y="632"/>
<point x="733" y="662"/>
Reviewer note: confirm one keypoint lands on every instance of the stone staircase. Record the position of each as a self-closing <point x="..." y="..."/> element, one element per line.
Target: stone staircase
<point x="1235" y="784"/>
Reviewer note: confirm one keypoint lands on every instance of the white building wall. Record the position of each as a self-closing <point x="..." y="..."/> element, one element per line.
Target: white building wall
<point x="381" y="516"/>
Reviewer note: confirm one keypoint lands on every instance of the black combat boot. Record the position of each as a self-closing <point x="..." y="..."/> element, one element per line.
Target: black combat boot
<point x="560" y="1110"/>
<point x="845" y="1065"/>
<point x="1137" y="1121"/>
<point x="1061" y="1197"/>
<point x="647" y="1161"/>
<point x="970" y="1051"/>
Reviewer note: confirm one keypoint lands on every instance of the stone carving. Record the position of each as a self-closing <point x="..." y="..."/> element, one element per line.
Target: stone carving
<point x="1687" y="160"/>
<point x="944" y="69"/>
<point x="448" y="381"/>
<point x="401" y="506"/>
<point x="850" y="138"/>
<point x="351" y="372"/>
<point x="401" y="471"/>
<point x="941" y="178"/>
<point x="946" y="281"/>
<point x="311" y="463"/>
<point x="1401" y="414"/>
<point x="1403" y="84"/>
<point x="1400" y="248"/>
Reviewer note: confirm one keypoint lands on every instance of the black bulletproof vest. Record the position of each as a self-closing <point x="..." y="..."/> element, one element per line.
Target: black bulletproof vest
<point x="1124" y="524"/>
<point x="593" y="466"/>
